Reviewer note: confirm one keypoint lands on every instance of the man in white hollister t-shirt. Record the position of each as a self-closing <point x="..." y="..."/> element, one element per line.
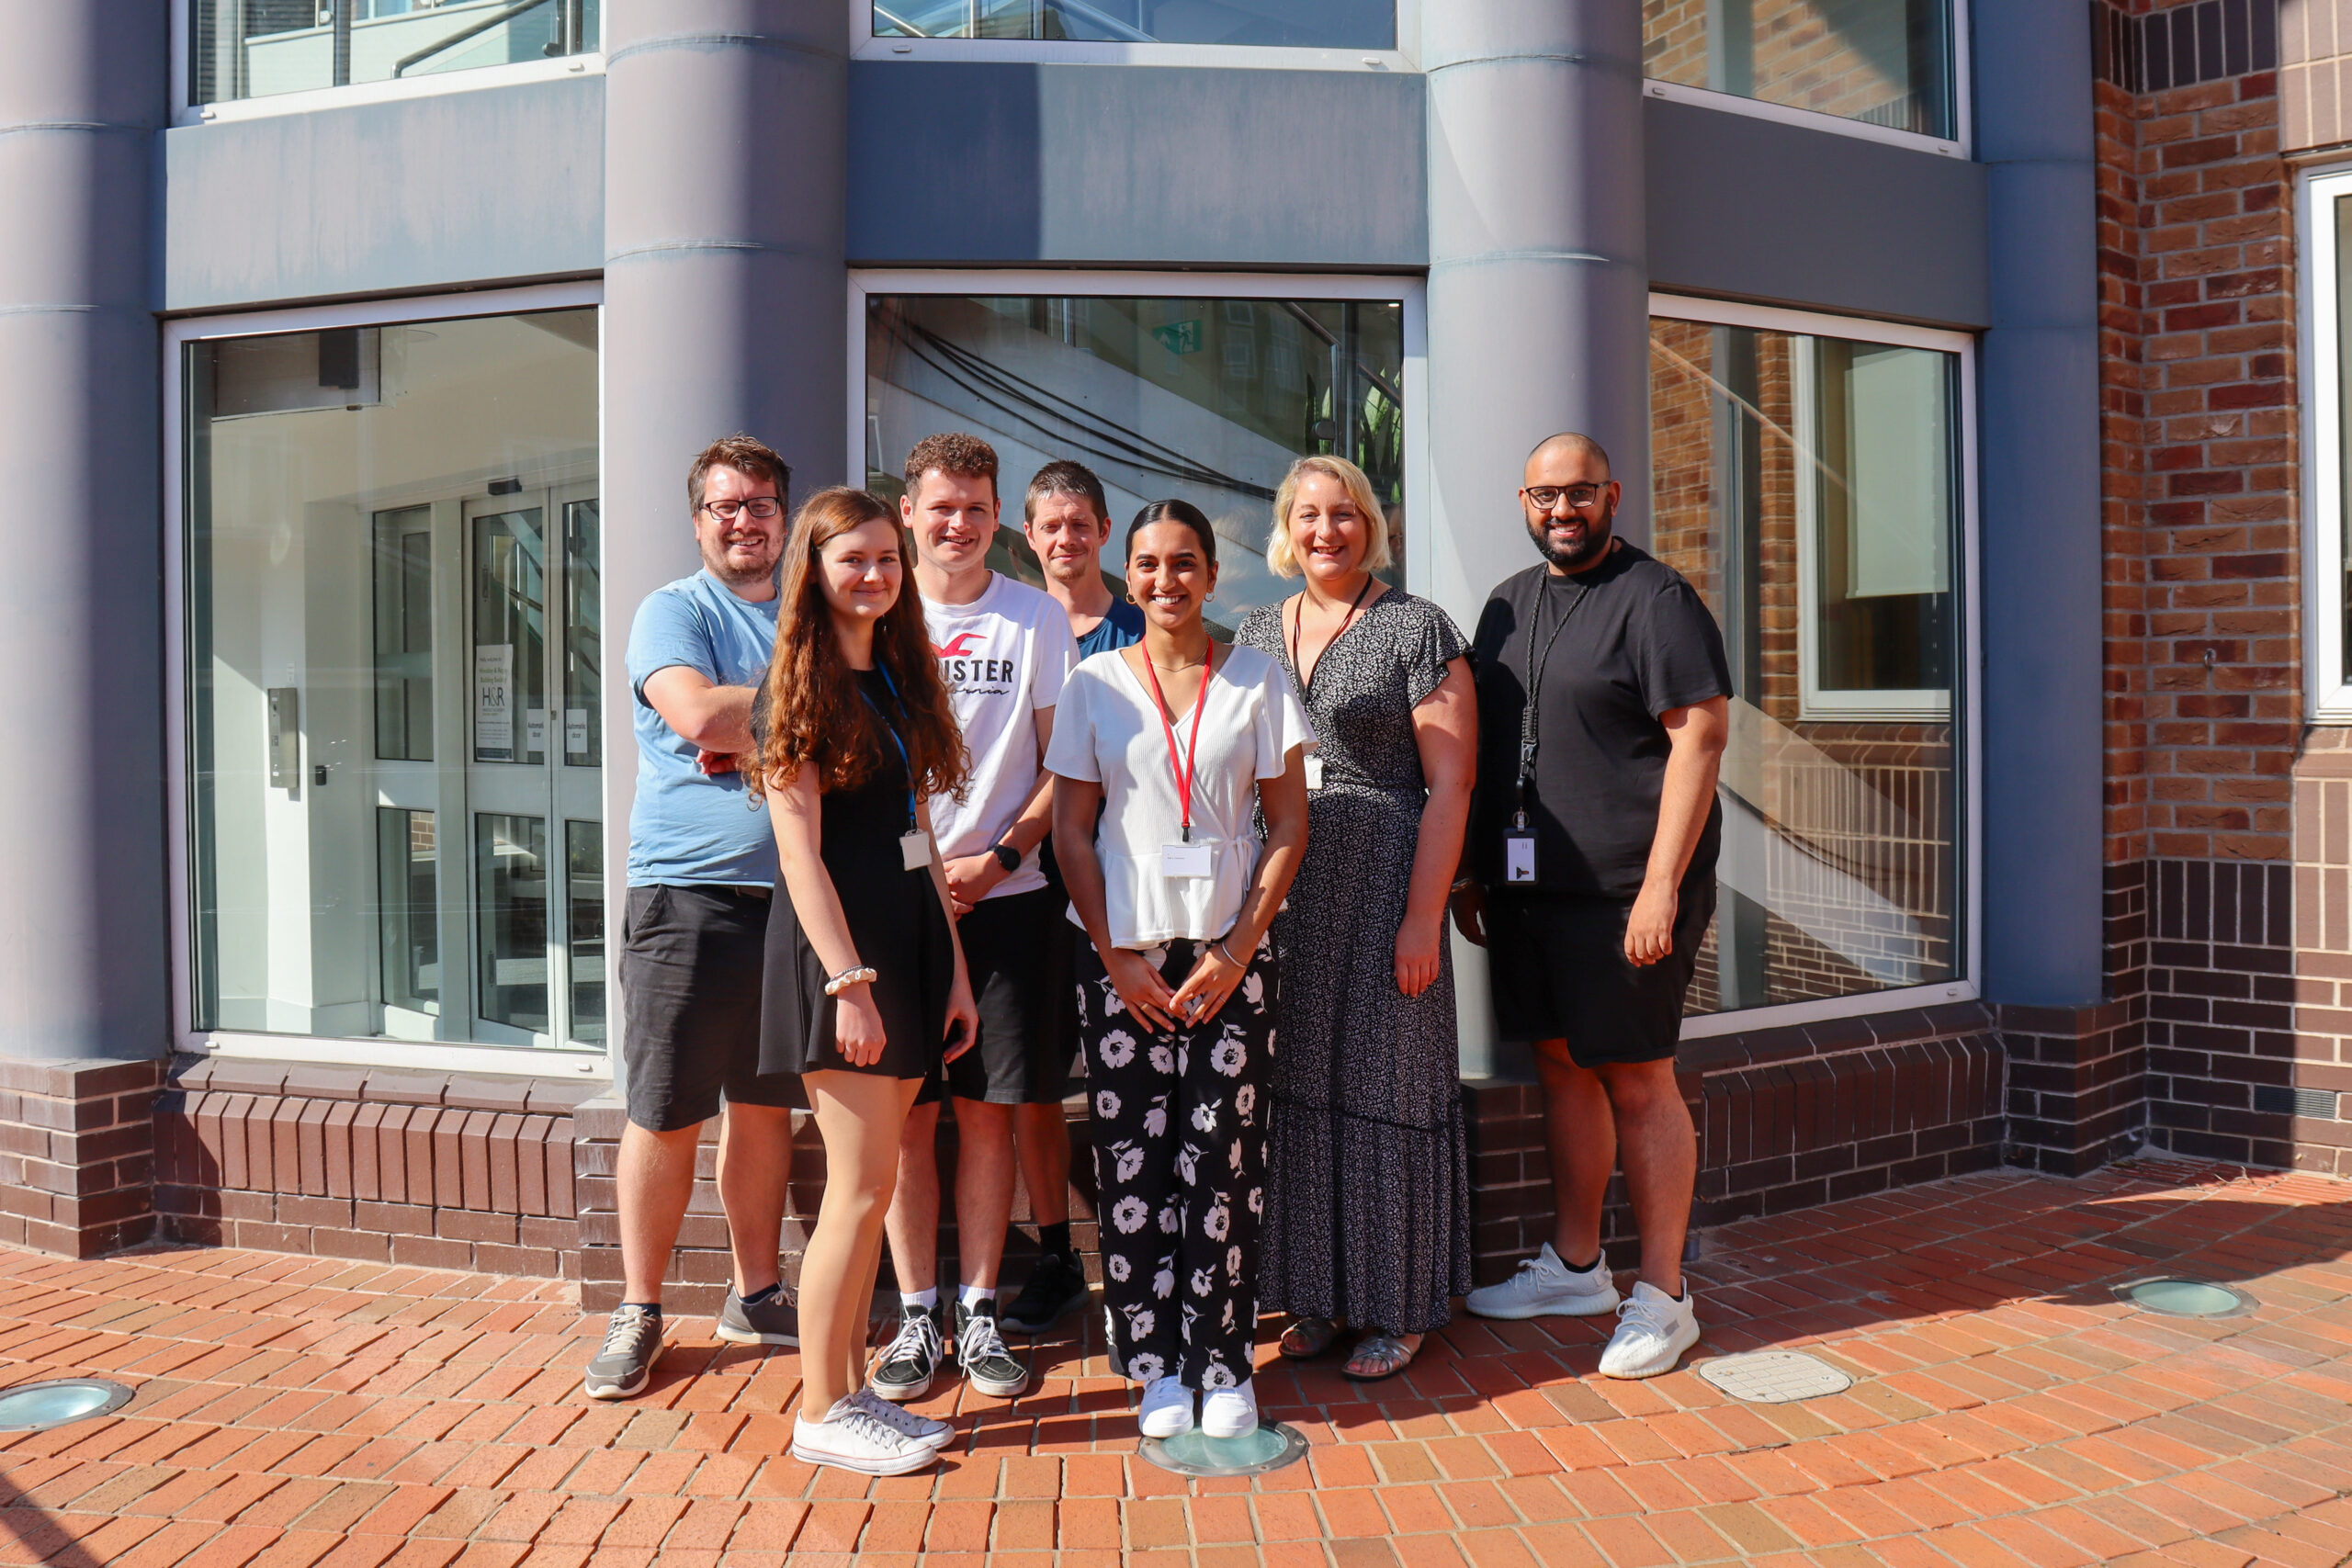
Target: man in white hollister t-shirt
<point x="1004" y="651"/>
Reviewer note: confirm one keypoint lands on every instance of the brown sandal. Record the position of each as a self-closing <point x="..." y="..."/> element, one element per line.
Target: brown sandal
<point x="1379" y="1355"/>
<point x="1308" y="1337"/>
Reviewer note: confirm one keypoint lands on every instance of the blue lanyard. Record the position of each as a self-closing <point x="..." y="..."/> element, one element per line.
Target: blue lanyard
<point x="892" y="730"/>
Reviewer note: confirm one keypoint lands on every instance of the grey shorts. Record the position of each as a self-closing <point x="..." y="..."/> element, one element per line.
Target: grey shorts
<point x="691" y="962"/>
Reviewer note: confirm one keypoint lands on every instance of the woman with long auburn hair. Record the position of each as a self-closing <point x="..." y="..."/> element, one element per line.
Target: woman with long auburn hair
<point x="864" y="993"/>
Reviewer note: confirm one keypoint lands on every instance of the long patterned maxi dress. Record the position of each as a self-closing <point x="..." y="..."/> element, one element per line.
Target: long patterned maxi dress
<point x="1368" y="1183"/>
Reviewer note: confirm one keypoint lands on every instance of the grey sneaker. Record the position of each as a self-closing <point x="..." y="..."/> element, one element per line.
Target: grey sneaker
<point x="979" y="1349"/>
<point x="775" y="1321"/>
<point x="912" y="1358"/>
<point x="1055" y="1288"/>
<point x="624" y="1364"/>
<point x="1547" y="1287"/>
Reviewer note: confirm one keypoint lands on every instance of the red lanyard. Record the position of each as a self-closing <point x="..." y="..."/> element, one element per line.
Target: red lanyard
<point x="1183" y="769"/>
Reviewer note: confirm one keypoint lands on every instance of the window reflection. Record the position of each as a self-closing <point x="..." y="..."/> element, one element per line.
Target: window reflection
<point x="373" y="676"/>
<point x="252" y="48"/>
<point x="1808" y="488"/>
<point x="1205" y="399"/>
<point x="1882" y="61"/>
<point x="1312" y="24"/>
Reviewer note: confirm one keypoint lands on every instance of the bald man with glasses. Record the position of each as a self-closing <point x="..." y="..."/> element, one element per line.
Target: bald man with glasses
<point x="1603" y="705"/>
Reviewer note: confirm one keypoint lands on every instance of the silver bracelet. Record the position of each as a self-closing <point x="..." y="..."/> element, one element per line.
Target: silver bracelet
<point x="864" y="974"/>
<point x="1227" y="954"/>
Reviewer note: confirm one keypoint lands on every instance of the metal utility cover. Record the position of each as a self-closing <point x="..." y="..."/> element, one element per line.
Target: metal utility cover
<point x="1774" y="1377"/>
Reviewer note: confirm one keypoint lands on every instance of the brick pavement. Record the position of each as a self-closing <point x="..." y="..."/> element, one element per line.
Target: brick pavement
<point x="294" y="1411"/>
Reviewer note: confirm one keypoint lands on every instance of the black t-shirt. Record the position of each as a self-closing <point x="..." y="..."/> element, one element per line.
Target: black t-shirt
<point x="1637" y="642"/>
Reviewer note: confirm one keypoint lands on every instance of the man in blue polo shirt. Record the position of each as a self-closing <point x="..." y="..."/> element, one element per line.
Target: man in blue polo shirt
<point x="702" y="870"/>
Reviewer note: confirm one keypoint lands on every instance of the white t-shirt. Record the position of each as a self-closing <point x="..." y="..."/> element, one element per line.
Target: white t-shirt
<point x="1005" y="657"/>
<point x="1108" y="730"/>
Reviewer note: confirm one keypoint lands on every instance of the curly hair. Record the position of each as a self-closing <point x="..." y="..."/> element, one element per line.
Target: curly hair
<point x="815" y="713"/>
<point x="950" y="452"/>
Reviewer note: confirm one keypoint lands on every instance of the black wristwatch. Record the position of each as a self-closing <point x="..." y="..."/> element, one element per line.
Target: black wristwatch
<point x="1007" y="857"/>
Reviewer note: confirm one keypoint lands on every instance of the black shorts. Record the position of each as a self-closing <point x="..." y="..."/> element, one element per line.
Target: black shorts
<point x="1558" y="967"/>
<point x="691" y="961"/>
<point x="1019" y="952"/>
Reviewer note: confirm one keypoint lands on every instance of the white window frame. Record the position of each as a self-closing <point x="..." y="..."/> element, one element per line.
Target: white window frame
<point x="2327" y="695"/>
<point x="1968" y="985"/>
<point x="863" y="45"/>
<point x="563" y="1062"/>
<point x="1411" y="291"/>
<point x="185" y="111"/>
<point x="1958" y="145"/>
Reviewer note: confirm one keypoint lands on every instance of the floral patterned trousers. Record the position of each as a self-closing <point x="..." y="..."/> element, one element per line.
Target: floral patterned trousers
<point x="1180" y="1159"/>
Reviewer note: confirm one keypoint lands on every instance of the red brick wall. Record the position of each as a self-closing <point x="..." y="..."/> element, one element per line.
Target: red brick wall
<point x="2198" y="436"/>
<point x="78" y="1143"/>
<point x="441" y="1171"/>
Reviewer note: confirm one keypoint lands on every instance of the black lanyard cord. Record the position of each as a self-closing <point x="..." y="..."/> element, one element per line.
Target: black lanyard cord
<point x="1534" y="684"/>
<point x="1298" y="622"/>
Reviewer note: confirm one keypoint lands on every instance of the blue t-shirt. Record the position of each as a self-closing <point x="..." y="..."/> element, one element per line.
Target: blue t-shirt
<point x="686" y="827"/>
<point x="1121" y="627"/>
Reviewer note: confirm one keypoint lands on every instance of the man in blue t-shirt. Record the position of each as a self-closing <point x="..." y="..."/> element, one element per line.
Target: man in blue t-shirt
<point x="702" y="870"/>
<point x="1066" y="520"/>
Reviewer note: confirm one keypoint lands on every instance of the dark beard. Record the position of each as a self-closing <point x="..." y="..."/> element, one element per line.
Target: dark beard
<point x="1597" y="537"/>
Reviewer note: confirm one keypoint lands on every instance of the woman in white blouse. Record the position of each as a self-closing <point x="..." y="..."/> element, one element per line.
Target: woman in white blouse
<point x="1163" y="755"/>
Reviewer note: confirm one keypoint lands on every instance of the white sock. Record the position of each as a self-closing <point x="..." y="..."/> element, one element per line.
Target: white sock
<point x="976" y="1293"/>
<point x="924" y="1299"/>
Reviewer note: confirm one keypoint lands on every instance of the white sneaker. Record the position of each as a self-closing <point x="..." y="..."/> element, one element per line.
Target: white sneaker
<point x="1230" y="1412"/>
<point x="1545" y="1287"/>
<point x="1653" y="1330"/>
<point x="921" y="1428"/>
<point x="852" y="1437"/>
<point x="1167" y="1408"/>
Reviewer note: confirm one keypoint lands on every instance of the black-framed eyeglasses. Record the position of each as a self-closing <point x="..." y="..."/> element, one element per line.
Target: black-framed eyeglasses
<point x="1546" y="497"/>
<point x="766" y="508"/>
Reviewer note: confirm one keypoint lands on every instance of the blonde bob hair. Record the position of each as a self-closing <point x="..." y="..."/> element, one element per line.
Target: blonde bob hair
<point x="1282" y="560"/>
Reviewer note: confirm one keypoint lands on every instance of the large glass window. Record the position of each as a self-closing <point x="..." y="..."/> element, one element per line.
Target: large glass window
<point x="394" y="666"/>
<point x="251" y="48"/>
<point x="1323" y="24"/>
<point x="1208" y="400"/>
<point x="1883" y="61"/>
<point x="1810" y="488"/>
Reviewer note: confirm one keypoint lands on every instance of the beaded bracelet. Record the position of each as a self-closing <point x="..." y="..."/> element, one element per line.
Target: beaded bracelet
<point x="848" y="978"/>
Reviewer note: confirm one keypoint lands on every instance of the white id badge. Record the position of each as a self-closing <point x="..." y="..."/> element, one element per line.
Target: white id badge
<point x="1314" y="771"/>
<point x="1180" y="861"/>
<point x="914" y="849"/>
<point x="1519" y="856"/>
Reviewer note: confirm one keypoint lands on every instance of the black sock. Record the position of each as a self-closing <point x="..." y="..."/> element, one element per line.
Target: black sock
<point x="1585" y="1267"/>
<point x="756" y="1297"/>
<point x="1054" y="1240"/>
<point x="651" y="1309"/>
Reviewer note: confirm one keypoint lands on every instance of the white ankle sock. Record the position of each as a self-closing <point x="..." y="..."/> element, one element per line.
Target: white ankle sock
<point x="976" y="1293"/>
<point x="924" y="1299"/>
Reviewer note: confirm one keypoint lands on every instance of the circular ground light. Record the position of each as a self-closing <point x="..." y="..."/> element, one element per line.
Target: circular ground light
<point x="33" y="1406"/>
<point x="2176" y="1297"/>
<point x="1774" y="1377"/>
<point x="1268" y="1448"/>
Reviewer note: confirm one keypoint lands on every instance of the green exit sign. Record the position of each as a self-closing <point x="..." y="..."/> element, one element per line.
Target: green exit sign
<point x="1180" y="337"/>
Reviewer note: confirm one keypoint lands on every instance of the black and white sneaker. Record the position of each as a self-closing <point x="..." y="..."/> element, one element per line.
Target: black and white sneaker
<point x="911" y="1358"/>
<point x="775" y="1321"/>
<point x="1055" y="1288"/>
<point x="624" y="1364"/>
<point x="980" y="1349"/>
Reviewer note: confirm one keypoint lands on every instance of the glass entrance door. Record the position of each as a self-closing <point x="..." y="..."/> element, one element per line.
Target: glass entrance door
<point x="490" y="838"/>
<point x="533" y="841"/>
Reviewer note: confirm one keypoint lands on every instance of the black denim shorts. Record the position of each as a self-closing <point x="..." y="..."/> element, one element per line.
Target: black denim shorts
<point x="691" y="962"/>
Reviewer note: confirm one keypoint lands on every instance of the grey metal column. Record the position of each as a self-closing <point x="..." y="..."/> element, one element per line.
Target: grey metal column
<point x="84" y="925"/>
<point x="1538" y="291"/>
<point x="725" y="288"/>
<point x="2039" y="532"/>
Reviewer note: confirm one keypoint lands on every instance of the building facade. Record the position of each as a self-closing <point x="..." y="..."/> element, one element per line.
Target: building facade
<point x="1977" y="359"/>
